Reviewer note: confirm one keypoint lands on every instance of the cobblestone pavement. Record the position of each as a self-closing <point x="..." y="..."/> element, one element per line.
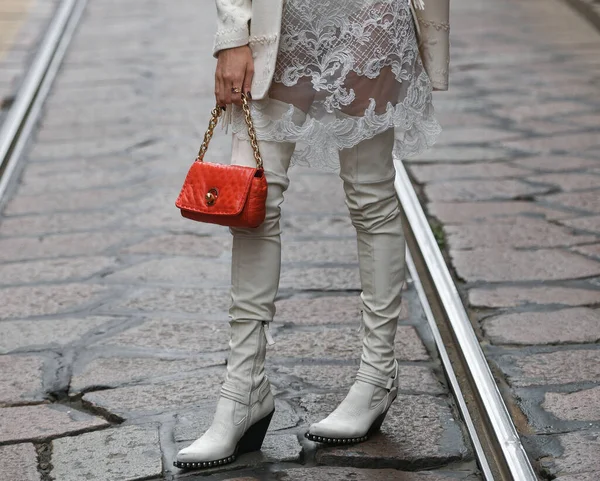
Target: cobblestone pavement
<point x="515" y="182"/>
<point x="113" y="323"/>
<point x="22" y="23"/>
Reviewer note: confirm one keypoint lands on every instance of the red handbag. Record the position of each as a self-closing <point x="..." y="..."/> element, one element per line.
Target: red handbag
<point x="230" y="195"/>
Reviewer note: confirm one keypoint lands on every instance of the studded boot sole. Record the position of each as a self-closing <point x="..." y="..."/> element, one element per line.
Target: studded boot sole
<point x="251" y="441"/>
<point x="376" y="426"/>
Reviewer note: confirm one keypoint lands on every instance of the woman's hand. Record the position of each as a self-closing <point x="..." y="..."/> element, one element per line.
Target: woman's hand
<point x="235" y="69"/>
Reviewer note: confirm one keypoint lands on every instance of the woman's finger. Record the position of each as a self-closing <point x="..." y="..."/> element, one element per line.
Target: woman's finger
<point x="248" y="80"/>
<point x="227" y="84"/>
<point x="218" y="90"/>
<point x="236" y="90"/>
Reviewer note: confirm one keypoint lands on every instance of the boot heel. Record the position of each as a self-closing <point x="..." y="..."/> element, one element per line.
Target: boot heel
<point x="376" y="426"/>
<point x="254" y="437"/>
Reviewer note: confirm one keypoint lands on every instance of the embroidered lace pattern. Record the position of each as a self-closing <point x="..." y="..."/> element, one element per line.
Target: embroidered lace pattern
<point x="347" y="72"/>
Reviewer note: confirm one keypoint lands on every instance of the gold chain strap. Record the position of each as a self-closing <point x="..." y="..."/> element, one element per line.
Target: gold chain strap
<point x="214" y="119"/>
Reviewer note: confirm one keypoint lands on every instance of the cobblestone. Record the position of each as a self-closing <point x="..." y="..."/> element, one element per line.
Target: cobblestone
<point x="36" y="423"/>
<point x="582" y="201"/>
<point x="74" y="201"/>
<point x="188" y="335"/>
<point x="211" y="303"/>
<point x="60" y="223"/>
<point x="20" y="379"/>
<point x="319" y="310"/>
<point x="555" y="143"/>
<point x="555" y="163"/>
<point x="55" y="270"/>
<point x="582" y="405"/>
<point x="114" y="371"/>
<point x="463" y="154"/>
<point x="180" y="245"/>
<point x="482" y="190"/>
<point x="489" y="170"/>
<point x="475" y="212"/>
<point x="283" y="448"/>
<point x="545" y="327"/>
<point x="589" y="250"/>
<point x="495" y="265"/>
<point x="321" y="251"/>
<point x="201" y="273"/>
<point x="321" y="278"/>
<point x="560" y="367"/>
<point x="519" y="296"/>
<point x="46" y="300"/>
<point x="47" y="333"/>
<point x="591" y="223"/>
<point x="581" y="455"/>
<point x="19" y="462"/>
<point x="520" y="232"/>
<point x="162" y="397"/>
<point x="569" y="182"/>
<point x="51" y="246"/>
<point x="129" y="452"/>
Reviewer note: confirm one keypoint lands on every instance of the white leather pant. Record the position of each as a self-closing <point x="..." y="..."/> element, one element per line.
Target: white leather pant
<point x="368" y="174"/>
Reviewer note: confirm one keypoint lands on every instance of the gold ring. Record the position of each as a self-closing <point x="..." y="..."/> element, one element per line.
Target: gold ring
<point x="236" y="90"/>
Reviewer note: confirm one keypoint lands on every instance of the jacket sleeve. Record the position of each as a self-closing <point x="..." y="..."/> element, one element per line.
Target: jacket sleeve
<point x="233" y="24"/>
<point x="433" y="31"/>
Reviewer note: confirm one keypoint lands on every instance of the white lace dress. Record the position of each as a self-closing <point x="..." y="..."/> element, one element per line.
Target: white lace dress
<point x="353" y="68"/>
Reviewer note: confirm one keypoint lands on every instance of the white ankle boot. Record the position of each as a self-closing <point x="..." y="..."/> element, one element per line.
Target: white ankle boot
<point x="368" y="174"/>
<point x="245" y="407"/>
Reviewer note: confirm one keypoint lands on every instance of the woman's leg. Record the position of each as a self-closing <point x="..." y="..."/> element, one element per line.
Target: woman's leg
<point x="368" y="174"/>
<point x="246" y="400"/>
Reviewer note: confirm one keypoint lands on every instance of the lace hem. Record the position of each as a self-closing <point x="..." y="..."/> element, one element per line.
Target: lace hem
<point x="318" y="141"/>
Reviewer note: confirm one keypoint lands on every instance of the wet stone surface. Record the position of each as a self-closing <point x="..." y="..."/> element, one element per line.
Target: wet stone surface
<point x="417" y="429"/>
<point x="355" y="474"/>
<point x="277" y="448"/>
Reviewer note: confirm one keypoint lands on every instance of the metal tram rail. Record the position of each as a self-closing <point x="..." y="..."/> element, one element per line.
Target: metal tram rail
<point x="498" y="449"/>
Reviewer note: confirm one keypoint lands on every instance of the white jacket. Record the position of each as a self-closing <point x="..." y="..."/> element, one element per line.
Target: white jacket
<point x="258" y="23"/>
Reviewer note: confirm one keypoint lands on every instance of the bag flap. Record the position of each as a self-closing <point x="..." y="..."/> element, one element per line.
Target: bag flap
<point x="229" y="184"/>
